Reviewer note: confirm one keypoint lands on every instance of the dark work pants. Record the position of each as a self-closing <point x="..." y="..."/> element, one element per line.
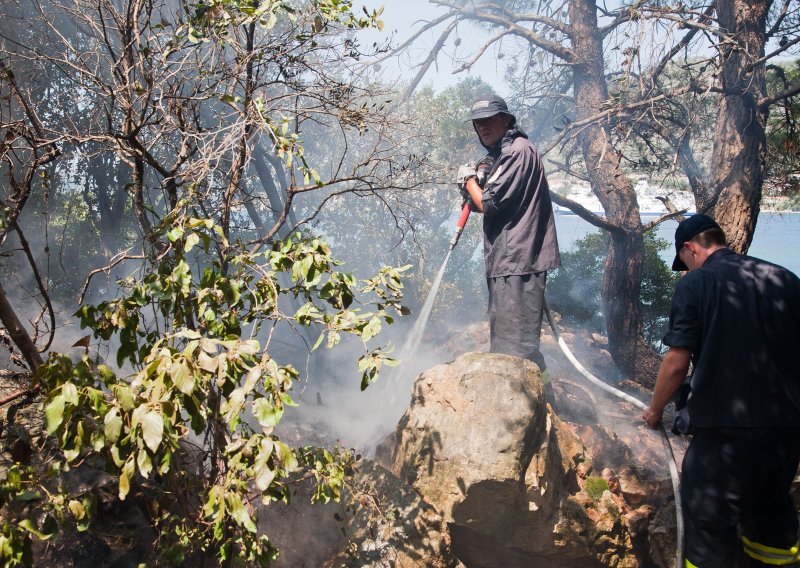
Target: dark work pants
<point x="516" y="304"/>
<point x="735" y="483"/>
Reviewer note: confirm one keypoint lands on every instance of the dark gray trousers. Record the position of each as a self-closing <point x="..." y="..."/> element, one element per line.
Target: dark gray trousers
<point x="516" y="304"/>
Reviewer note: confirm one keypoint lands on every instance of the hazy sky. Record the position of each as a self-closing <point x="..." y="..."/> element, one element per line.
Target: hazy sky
<point x="405" y="17"/>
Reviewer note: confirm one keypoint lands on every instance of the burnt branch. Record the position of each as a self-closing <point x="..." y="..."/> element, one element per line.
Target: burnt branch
<point x="43" y="291"/>
<point x="678" y="47"/>
<point x="18" y="334"/>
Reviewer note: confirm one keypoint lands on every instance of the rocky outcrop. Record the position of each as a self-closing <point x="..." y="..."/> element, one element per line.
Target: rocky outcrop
<point x="480" y="444"/>
<point x="391" y="525"/>
<point x="379" y="522"/>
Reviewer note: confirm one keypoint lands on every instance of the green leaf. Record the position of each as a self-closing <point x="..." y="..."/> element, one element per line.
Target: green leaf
<point x="54" y="413"/>
<point x="152" y="429"/>
<point x="208" y="363"/>
<point x="28" y="496"/>
<point x="287" y="400"/>
<point x="114" y="452"/>
<point x="144" y="463"/>
<point x="166" y="461"/>
<point x="182" y="376"/>
<point x="286" y="456"/>
<point x="175" y="234"/>
<point x="31" y="527"/>
<point x="264" y="475"/>
<point x="300" y="269"/>
<point x="239" y="512"/>
<point x="267" y="414"/>
<point x="372" y="329"/>
<point x="70" y="393"/>
<point x="191" y="241"/>
<point x="125" y="479"/>
<point x="112" y="425"/>
<point x="77" y="509"/>
<point x="98" y="440"/>
<point x="307" y="313"/>
<point x="124" y="395"/>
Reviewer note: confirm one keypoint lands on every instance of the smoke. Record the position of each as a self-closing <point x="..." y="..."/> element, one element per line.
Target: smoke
<point x="333" y="407"/>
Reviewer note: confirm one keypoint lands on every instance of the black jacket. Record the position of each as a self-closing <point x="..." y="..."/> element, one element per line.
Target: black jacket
<point x="740" y="318"/>
<point x="518" y="224"/>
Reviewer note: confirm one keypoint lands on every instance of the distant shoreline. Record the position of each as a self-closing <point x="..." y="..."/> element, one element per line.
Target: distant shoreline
<point x="559" y="210"/>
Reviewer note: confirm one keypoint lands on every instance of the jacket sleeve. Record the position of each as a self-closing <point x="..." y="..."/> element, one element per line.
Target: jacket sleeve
<point x="506" y="187"/>
<point x="685" y="327"/>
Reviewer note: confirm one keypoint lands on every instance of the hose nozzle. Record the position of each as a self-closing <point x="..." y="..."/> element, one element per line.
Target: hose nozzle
<point x="466" y="209"/>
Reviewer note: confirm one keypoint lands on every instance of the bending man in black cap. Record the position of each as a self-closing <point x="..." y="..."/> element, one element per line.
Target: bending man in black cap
<point x="737" y="320"/>
<point x="520" y="242"/>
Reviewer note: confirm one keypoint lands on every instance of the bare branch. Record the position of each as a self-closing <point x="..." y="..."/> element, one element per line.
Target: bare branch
<point x="425" y="65"/>
<point x="673" y="213"/>
<point x="584" y="213"/>
<point x="481" y="50"/>
<point x="120" y="257"/>
<point x="767" y="57"/>
<point x="40" y="284"/>
<point x="510" y="24"/>
<point x="682" y="44"/>
<point x="427" y="27"/>
<point x="779" y="20"/>
<point x="783" y="95"/>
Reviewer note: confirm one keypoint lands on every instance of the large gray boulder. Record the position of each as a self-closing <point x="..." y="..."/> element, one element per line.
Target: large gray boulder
<point x="481" y="445"/>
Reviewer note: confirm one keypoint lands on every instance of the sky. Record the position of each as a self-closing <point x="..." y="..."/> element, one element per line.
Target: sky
<point x="404" y="18"/>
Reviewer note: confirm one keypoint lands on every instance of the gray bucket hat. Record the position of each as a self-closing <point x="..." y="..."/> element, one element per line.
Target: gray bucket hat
<point x="490" y="105"/>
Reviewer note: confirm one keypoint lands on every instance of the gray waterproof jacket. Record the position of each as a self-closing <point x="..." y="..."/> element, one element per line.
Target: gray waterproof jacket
<point x="518" y="225"/>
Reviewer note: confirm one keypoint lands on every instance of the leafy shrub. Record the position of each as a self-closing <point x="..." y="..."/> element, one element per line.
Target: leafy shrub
<point x="575" y="289"/>
<point x="198" y="364"/>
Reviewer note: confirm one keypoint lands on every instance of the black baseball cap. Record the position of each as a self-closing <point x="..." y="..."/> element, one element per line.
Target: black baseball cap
<point x="686" y="231"/>
<point x="489" y="105"/>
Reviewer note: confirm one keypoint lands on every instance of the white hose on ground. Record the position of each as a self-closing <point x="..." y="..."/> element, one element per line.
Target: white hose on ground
<point x="673" y="466"/>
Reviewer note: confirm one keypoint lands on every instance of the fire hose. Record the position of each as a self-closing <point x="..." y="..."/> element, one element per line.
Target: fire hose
<point x="673" y="466"/>
<point x="466" y="209"/>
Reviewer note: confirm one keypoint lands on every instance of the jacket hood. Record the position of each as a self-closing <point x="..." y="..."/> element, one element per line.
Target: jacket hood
<point x="510" y="135"/>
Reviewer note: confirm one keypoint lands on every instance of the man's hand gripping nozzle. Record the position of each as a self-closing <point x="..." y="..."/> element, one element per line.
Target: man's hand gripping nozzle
<point x="466" y="172"/>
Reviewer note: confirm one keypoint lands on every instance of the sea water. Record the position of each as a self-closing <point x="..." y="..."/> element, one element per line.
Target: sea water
<point x="777" y="237"/>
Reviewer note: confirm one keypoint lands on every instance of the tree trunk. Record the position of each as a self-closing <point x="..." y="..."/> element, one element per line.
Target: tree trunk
<point x="738" y="158"/>
<point x="625" y="261"/>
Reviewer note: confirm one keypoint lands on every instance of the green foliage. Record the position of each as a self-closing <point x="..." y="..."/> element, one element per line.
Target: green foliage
<point x="658" y="285"/>
<point x="574" y="290"/>
<point x="198" y="370"/>
<point x="783" y="135"/>
<point x="194" y="393"/>
<point x="33" y="508"/>
<point x="595" y="486"/>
